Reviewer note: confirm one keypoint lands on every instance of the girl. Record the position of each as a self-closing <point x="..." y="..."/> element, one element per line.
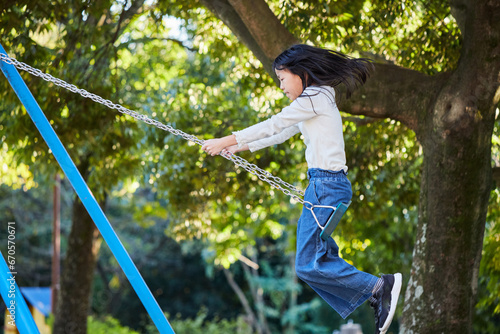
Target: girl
<point x="308" y="76"/>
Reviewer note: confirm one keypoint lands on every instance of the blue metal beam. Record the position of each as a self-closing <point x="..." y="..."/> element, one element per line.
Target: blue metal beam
<point x="86" y="196"/>
<point x="15" y="302"/>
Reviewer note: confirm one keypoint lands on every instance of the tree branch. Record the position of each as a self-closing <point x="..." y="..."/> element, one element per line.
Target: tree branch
<point x="361" y="121"/>
<point x="459" y="11"/>
<point x="257" y="293"/>
<point x="394" y="92"/>
<point x="479" y="25"/>
<point x="241" y="296"/>
<point x="237" y="22"/>
<point x="126" y="17"/>
<point x="145" y="40"/>
<point x="260" y="20"/>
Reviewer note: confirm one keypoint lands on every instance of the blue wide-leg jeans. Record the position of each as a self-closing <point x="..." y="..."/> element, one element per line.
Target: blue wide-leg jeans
<point x="318" y="262"/>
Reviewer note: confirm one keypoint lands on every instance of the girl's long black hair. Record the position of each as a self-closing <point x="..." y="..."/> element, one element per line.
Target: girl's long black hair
<point x="323" y="67"/>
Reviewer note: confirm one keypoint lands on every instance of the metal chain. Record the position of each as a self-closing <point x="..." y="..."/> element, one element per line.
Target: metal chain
<point x="263" y="175"/>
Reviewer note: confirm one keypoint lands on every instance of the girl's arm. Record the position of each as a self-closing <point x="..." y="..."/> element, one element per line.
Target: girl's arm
<point x="273" y="140"/>
<point x="212" y="146"/>
<point x="300" y="110"/>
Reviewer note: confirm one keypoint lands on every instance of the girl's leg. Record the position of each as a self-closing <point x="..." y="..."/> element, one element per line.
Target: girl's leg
<point x="318" y="263"/>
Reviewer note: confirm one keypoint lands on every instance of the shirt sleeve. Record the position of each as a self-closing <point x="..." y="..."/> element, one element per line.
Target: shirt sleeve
<point x="274" y="140"/>
<point x="301" y="109"/>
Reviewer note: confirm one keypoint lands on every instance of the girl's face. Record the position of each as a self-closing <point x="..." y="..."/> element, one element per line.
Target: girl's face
<point x="290" y="83"/>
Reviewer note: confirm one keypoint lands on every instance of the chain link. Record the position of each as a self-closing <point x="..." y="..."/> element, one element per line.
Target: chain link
<point x="263" y="175"/>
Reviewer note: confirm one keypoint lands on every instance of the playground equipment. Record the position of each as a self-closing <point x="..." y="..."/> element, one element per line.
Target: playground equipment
<point x="8" y="66"/>
<point x="14" y="301"/>
<point x="333" y="220"/>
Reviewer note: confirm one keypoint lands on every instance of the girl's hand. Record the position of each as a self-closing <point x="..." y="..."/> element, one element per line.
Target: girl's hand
<point x="215" y="146"/>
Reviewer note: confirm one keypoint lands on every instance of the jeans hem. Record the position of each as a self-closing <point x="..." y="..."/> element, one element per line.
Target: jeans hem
<point x="367" y="293"/>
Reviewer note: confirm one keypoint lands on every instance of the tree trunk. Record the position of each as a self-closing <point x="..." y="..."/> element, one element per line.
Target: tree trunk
<point x="74" y="300"/>
<point x="455" y="188"/>
<point x="456" y="183"/>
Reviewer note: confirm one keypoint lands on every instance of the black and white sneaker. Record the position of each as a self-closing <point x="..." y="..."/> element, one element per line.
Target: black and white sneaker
<point x="385" y="300"/>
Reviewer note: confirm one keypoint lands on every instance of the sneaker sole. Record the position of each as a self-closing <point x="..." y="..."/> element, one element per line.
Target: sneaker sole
<point x="396" y="289"/>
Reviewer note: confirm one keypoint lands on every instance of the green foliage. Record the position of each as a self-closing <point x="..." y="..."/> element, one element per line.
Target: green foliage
<point x="207" y="198"/>
<point x="106" y="325"/>
<point x="31" y="210"/>
<point x="277" y="282"/>
<point x="100" y="325"/>
<point x="175" y="272"/>
<point x="201" y="325"/>
<point x="421" y="35"/>
<point x="198" y="325"/>
<point x="74" y="43"/>
<point x="385" y="167"/>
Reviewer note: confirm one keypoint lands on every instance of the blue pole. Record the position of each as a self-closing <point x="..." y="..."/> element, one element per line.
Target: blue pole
<point x="86" y="197"/>
<point x="14" y="301"/>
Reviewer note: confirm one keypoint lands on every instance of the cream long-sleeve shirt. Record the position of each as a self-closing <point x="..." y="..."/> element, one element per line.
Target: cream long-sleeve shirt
<point x="316" y="116"/>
